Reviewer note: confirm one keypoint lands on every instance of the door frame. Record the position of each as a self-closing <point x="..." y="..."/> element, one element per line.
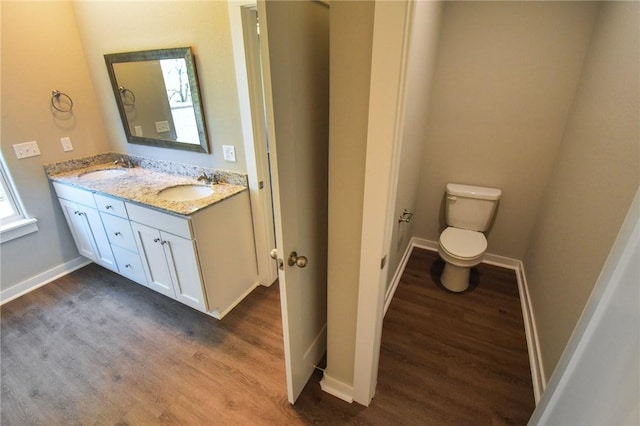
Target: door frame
<point x="389" y="60"/>
<point x="254" y="142"/>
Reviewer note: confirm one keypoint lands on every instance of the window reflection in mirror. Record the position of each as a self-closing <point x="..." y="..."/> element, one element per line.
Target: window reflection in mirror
<point x="158" y="98"/>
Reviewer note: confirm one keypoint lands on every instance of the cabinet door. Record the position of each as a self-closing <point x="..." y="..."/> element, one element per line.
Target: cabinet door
<point x="151" y="250"/>
<point x="183" y="263"/>
<point x="103" y="253"/>
<point x="79" y="229"/>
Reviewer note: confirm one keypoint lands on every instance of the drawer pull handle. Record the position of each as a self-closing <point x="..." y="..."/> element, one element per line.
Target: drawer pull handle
<point x="108" y="206"/>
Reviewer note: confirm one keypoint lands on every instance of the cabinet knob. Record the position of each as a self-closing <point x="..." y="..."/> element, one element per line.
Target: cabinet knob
<point x="128" y="265"/>
<point x="117" y="233"/>
<point x="108" y="206"/>
<point x="156" y="240"/>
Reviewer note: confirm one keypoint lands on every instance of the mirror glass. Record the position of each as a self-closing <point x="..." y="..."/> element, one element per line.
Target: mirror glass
<point x="158" y="98"/>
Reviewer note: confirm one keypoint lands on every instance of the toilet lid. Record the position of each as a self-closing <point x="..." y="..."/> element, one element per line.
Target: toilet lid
<point x="463" y="243"/>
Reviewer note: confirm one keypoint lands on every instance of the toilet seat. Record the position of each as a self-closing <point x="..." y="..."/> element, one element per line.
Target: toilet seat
<point x="463" y="243"/>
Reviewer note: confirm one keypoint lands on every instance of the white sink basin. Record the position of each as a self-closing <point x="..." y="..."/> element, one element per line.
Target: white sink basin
<point x="185" y="192"/>
<point x="102" y="174"/>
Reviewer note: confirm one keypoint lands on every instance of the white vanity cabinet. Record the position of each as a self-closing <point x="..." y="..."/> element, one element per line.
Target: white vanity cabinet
<point x="84" y="221"/>
<point x="206" y="260"/>
<point x="171" y="264"/>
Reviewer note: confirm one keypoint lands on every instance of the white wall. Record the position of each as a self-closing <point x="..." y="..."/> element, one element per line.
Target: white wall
<point x="422" y="53"/>
<point x="595" y="176"/>
<point x="596" y="382"/>
<point x="506" y="75"/>
<point x="351" y="36"/>
<point x="41" y="51"/>
<point x="60" y="45"/>
<point x="115" y="26"/>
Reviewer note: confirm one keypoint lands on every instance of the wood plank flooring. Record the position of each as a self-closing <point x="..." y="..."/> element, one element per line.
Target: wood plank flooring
<point x="95" y="348"/>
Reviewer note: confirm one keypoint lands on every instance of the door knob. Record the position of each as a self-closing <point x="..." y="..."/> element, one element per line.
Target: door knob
<point x="299" y="261"/>
<point x="274" y="256"/>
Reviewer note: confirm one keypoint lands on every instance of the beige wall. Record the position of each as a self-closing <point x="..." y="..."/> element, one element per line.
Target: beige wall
<point x="594" y="179"/>
<point x="506" y="74"/>
<point x="60" y="45"/>
<point x="113" y="26"/>
<point x="420" y="67"/>
<point x="351" y="35"/>
<point x="41" y="51"/>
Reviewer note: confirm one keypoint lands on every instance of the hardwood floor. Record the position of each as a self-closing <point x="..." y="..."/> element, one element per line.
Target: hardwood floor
<point x="95" y="348"/>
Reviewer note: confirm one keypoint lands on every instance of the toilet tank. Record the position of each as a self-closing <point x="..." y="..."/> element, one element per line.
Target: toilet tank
<point x="471" y="207"/>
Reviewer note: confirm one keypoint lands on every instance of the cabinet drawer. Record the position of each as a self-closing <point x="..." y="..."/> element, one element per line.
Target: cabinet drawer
<point x="77" y="195"/>
<point x="110" y="205"/>
<point x="119" y="232"/>
<point x="173" y="224"/>
<point x="130" y="265"/>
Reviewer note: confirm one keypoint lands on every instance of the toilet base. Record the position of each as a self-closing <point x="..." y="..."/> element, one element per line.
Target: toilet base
<point x="455" y="278"/>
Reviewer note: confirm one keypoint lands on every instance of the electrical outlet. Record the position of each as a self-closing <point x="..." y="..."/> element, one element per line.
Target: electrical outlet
<point x="229" y="153"/>
<point x="26" y="149"/>
<point x="66" y="144"/>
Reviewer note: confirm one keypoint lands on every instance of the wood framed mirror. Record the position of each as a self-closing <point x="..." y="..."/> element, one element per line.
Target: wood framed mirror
<point x="158" y="98"/>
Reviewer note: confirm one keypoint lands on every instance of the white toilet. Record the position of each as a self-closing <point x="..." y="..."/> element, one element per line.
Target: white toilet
<point x="462" y="245"/>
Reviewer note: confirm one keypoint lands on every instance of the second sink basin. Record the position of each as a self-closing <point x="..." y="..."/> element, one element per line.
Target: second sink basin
<point x="102" y="174"/>
<point x="185" y="192"/>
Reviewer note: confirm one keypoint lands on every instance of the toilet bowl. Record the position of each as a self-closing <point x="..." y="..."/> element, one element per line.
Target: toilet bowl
<point x="462" y="245"/>
<point x="461" y="250"/>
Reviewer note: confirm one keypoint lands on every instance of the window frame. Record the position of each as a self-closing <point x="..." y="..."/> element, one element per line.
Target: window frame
<point x="19" y="223"/>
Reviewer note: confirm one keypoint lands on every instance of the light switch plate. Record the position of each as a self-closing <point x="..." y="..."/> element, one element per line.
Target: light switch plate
<point x="229" y="152"/>
<point x="162" y="126"/>
<point x="26" y="149"/>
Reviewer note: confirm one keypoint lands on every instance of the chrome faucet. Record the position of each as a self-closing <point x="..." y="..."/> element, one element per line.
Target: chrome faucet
<point x="212" y="178"/>
<point x="125" y="163"/>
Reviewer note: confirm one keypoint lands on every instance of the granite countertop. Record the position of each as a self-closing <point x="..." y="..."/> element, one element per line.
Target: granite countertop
<point x="140" y="185"/>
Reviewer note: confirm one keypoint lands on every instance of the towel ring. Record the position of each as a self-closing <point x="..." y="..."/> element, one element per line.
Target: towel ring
<point x="123" y="94"/>
<point x="55" y="101"/>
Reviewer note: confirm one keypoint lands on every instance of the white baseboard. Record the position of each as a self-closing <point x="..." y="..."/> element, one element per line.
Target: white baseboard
<point x="336" y="388"/>
<point x="41" y="279"/>
<point x="388" y="297"/>
<point x="533" y="344"/>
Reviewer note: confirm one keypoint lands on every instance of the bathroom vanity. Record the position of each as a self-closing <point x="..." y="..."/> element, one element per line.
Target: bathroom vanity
<point x="187" y="240"/>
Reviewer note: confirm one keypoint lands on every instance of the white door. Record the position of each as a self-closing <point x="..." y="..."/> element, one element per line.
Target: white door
<point x="104" y="255"/>
<point x="185" y="270"/>
<point x="295" y="55"/>
<point x="79" y="229"/>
